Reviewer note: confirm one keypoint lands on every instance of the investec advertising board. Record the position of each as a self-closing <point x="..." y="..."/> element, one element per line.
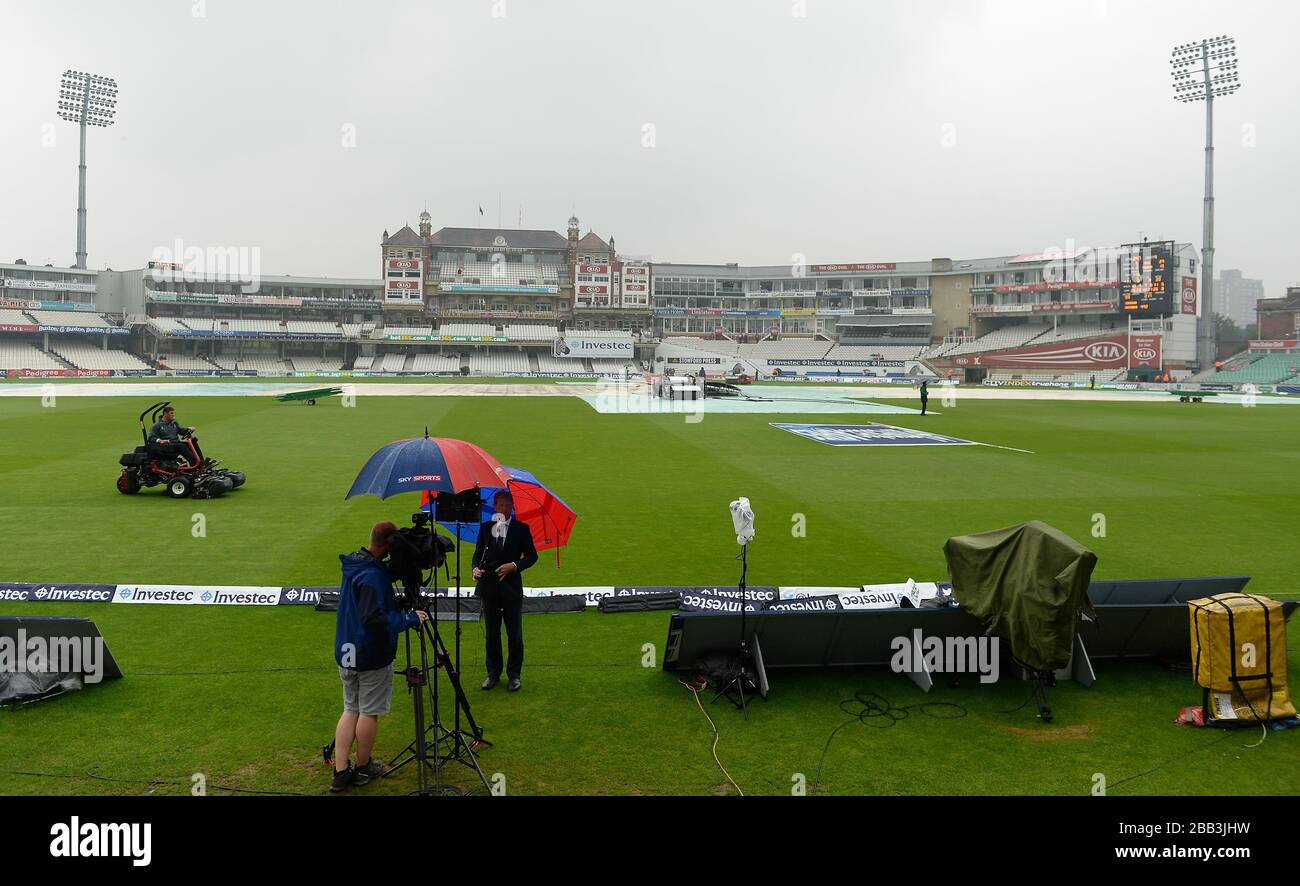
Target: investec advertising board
<point x="581" y="346"/>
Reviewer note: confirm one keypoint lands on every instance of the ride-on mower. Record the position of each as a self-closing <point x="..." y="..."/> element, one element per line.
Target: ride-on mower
<point x="182" y="474"/>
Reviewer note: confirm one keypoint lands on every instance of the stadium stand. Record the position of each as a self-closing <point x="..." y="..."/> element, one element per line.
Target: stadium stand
<point x="316" y="364"/>
<point x="166" y="326"/>
<point x="435" y="363"/>
<point x="875" y="352"/>
<point x="266" y="365"/>
<point x="363" y="363"/>
<point x="526" y="332"/>
<point x="476" y="330"/>
<point x="314" y="327"/>
<point x="1071" y="331"/>
<point x="407" y="330"/>
<point x="547" y="363"/>
<point x="394" y="362"/>
<point x="21" y="355"/>
<point x="1262" y="369"/>
<point x="495" y="362"/>
<point x="811" y="349"/>
<point x="68" y="318"/>
<point x="177" y="361"/>
<point x="998" y="339"/>
<point x="84" y="355"/>
<point x="10" y="317"/>
<point x="506" y="273"/>
<point x="610" y="367"/>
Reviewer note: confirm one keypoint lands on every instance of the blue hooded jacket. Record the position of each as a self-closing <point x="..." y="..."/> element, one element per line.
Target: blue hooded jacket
<point x="369" y="620"/>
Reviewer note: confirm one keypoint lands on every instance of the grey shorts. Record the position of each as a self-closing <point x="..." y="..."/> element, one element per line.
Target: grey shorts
<point x="367" y="692"/>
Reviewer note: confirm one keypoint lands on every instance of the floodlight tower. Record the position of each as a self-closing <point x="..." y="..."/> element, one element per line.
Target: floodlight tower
<point x="87" y="100"/>
<point x="1203" y="71"/>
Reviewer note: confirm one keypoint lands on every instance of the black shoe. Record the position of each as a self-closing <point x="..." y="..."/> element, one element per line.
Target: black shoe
<point x="514" y="684"/>
<point x="343" y="780"/>
<point x="368" y="773"/>
<point x="490" y="682"/>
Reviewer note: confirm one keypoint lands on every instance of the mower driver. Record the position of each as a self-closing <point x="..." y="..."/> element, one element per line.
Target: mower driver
<point x="165" y="438"/>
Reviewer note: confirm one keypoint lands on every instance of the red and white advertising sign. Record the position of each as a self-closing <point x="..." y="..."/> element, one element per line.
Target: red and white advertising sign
<point x="593" y="269"/>
<point x="597" y="289"/>
<point x="412" y="285"/>
<point x="1187" y="296"/>
<point x="18" y="327"/>
<point x="404" y="264"/>
<point x="861" y="266"/>
<point x="1276" y="344"/>
<point x="59" y="373"/>
<point x="635" y="270"/>
<point x="634" y="287"/>
<point x="1108" y="352"/>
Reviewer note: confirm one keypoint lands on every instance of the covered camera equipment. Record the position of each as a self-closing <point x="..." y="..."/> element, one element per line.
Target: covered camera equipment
<point x="415" y="549"/>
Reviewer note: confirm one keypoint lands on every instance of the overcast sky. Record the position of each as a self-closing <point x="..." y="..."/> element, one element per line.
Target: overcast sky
<point x="691" y="130"/>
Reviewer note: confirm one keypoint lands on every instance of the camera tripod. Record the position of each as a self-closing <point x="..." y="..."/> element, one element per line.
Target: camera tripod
<point x="434" y="744"/>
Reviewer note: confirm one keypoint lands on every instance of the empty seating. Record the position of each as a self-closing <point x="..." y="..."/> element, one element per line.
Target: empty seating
<point x="362" y="363"/>
<point x="85" y="355"/>
<point x="263" y="365"/>
<point x="177" y="361"/>
<point x="474" y="330"/>
<point x="393" y="331"/>
<point x="547" y="363"/>
<point x="21" y="355"/>
<point x="14" y="318"/>
<point x="527" y="332"/>
<point x="998" y="339"/>
<point x="392" y="363"/>
<point x="874" y="352"/>
<point x="788" y="347"/>
<point x="1265" y="370"/>
<point x="69" y="318"/>
<point x="493" y="362"/>
<point x="500" y="273"/>
<point x="316" y="364"/>
<point x="435" y="363"/>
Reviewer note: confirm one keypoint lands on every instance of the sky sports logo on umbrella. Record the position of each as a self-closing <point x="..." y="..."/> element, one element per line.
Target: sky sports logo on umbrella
<point x="421" y="478"/>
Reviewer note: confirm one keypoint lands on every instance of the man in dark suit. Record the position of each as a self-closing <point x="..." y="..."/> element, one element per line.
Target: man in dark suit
<point x="504" y="550"/>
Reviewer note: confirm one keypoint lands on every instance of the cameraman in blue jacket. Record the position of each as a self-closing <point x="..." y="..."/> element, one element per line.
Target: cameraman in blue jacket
<point x="366" y="629"/>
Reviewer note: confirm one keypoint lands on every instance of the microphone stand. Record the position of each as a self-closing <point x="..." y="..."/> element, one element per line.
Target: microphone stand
<point x="737" y="682"/>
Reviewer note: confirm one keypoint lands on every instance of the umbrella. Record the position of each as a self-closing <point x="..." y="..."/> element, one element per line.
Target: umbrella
<point x="429" y="464"/>
<point x="547" y="516"/>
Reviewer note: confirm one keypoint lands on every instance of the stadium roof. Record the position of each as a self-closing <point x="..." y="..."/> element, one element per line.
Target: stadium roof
<point x="404" y="237"/>
<point x="591" y="241"/>
<point x="487" y="238"/>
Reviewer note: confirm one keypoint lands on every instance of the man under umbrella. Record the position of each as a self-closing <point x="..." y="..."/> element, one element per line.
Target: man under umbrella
<point x="504" y="550"/>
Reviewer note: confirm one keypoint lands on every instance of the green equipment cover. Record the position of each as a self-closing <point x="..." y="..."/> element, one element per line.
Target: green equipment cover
<point x="1027" y="585"/>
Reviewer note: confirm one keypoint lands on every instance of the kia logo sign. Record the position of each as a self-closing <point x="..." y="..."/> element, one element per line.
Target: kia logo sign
<point x="1144" y="353"/>
<point x="1104" y="352"/>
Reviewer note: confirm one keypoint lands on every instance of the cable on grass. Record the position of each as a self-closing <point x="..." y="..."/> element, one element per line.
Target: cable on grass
<point x="150" y="782"/>
<point x="695" y="688"/>
<point x="873" y="710"/>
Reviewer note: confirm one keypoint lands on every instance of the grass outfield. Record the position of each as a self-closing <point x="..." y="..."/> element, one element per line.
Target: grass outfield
<point x="248" y="696"/>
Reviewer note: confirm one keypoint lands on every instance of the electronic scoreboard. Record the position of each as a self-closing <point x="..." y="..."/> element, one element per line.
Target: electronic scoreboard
<point x="1146" y="279"/>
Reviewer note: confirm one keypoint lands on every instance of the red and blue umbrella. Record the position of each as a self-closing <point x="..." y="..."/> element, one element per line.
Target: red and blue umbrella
<point x="547" y="516"/>
<point x="428" y="464"/>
